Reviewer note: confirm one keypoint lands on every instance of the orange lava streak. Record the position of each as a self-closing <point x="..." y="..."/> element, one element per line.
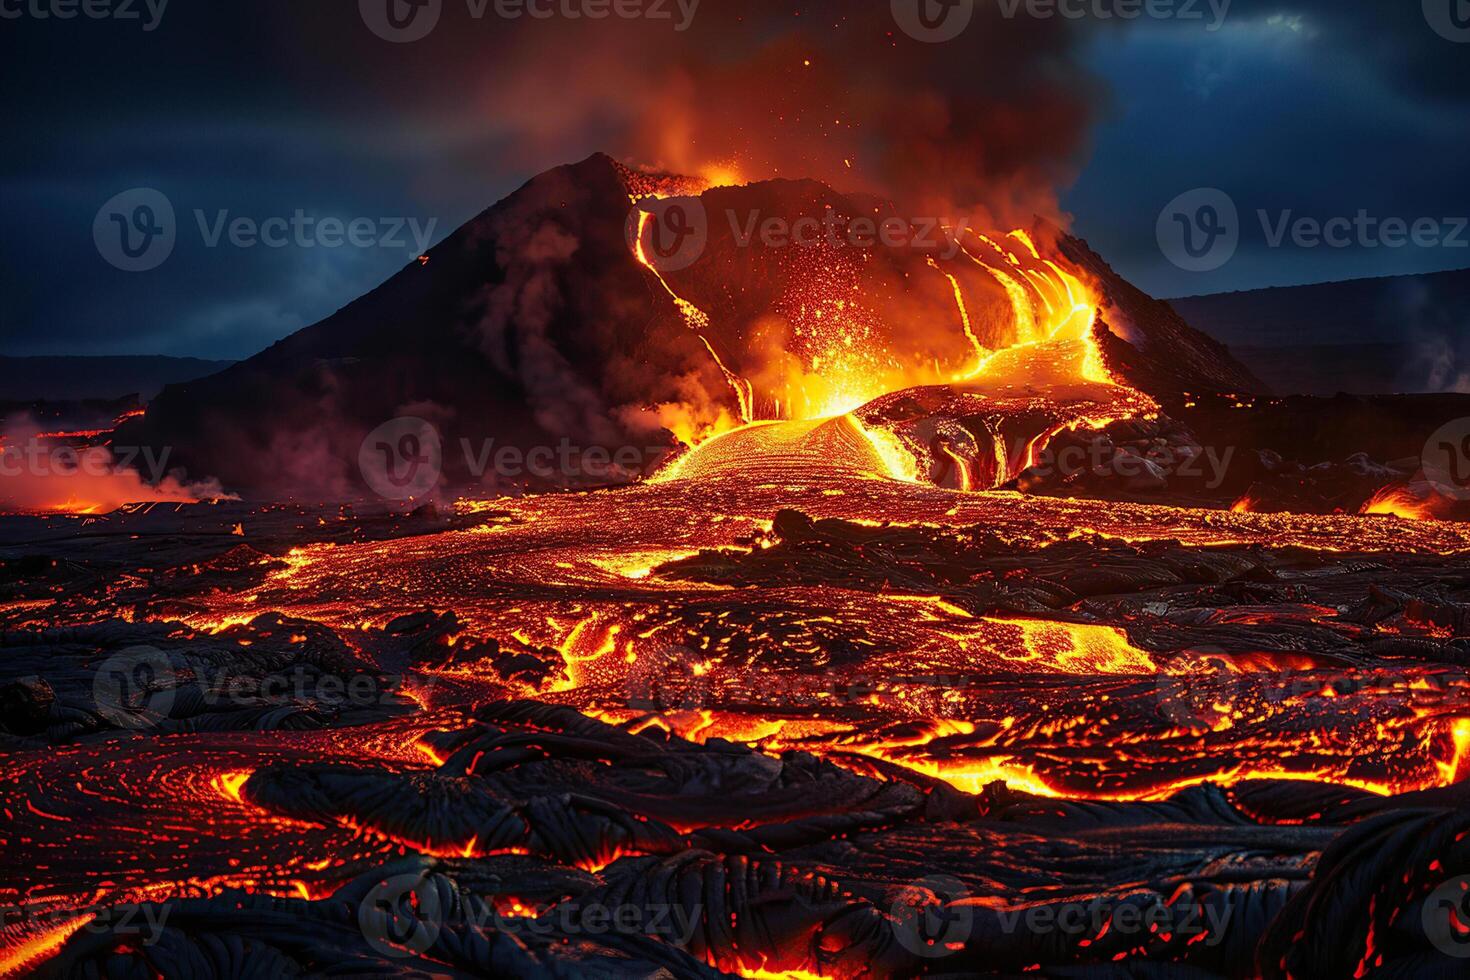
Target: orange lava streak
<point x="699" y="322"/>
<point x="959" y="298"/>
<point x="1399" y="502"/>
<point x="19" y="960"/>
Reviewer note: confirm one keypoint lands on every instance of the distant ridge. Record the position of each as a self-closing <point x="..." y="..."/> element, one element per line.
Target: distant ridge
<point x="27" y="379"/>
<point x="1408" y="334"/>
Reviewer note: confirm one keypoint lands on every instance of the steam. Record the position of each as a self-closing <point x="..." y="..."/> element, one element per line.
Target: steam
<point x="1436" y="327"/>
<point x="45" y="475"/>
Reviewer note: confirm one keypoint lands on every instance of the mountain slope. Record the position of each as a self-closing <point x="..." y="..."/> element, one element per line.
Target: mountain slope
<point x="536" y="325"/>
<point x="1366" y="336"/>
<point x="24" y="379"/>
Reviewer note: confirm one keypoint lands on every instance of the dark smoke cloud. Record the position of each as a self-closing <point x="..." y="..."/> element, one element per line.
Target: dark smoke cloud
<point x="831" y="89"/>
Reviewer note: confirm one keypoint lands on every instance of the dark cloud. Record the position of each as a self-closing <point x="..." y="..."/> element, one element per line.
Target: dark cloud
<point x="1390" y="39"/>
<point x="271" y="106"/>
<point x="1313" y="111"/>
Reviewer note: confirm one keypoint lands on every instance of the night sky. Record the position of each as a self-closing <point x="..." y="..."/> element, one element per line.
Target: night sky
<point x="263" y="108"/>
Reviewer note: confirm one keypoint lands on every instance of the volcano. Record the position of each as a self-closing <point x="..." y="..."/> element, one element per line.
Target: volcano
<point x="536" y="324"/>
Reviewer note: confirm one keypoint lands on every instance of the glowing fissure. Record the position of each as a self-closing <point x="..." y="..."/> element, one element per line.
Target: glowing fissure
<point x="1051" y="308"/>
<point x="697" y="321"/>
<point x="959" y="299"/>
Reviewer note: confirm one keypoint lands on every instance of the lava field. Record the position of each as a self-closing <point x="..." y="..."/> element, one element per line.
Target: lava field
<point x="857" y="677"/>
<point x="767" y="719"/>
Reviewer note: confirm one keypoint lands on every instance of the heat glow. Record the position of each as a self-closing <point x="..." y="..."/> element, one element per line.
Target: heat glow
<point x="833" y="364"/>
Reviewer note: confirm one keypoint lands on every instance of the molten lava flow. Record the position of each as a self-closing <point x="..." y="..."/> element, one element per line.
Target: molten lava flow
<point x="822" y="355"/>
<point x="20" y="959"/>
<point x="798" y="583"/>
<point x="692" y="431"/>
<point x="1067" y="308"/>
<point x="1398" y="501"/>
